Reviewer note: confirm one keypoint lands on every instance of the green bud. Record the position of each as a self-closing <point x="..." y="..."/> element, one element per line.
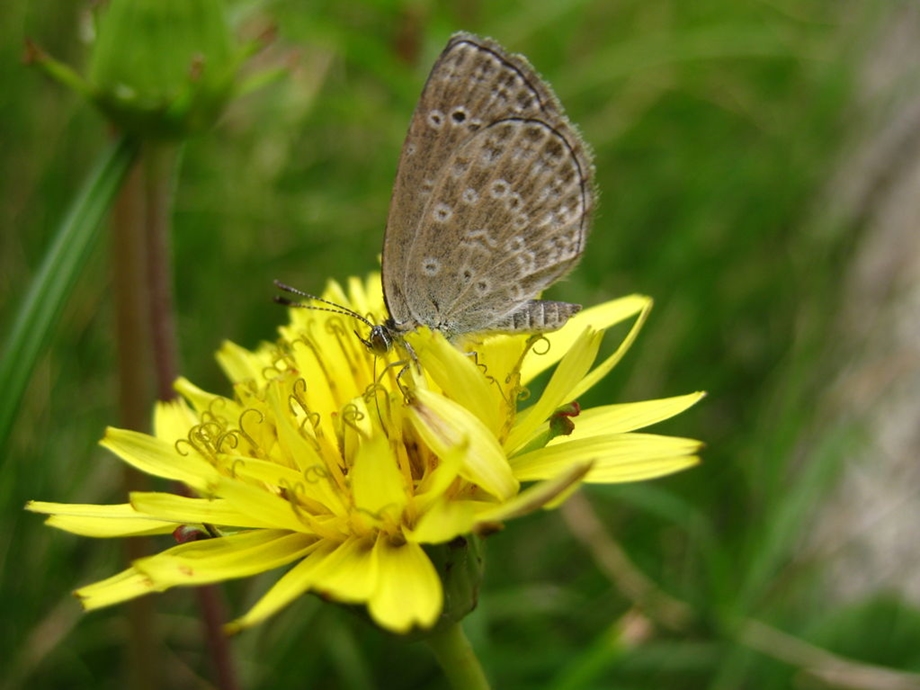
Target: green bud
<point x="459" y="563"/>
<point x="163" y="68"/>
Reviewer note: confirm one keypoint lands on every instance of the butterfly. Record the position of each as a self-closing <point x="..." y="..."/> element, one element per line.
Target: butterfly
<point x="492" y="203"/>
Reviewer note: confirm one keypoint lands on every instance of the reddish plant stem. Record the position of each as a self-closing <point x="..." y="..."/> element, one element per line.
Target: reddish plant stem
<point x="133" y="363"/>
<point x="159" y="165"/>
<point x="160" y="162"/>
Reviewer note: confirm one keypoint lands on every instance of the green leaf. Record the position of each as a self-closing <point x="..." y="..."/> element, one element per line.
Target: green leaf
<point x="57" y="275"/>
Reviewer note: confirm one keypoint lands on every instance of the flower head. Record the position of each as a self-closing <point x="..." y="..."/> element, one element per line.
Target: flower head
<point x="355" y="468"/>
<point x="159" y="69"/>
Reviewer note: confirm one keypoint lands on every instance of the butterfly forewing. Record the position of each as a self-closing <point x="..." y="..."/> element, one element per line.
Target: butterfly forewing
<point x="493" y="195"/>
<point x="514" y="202"/>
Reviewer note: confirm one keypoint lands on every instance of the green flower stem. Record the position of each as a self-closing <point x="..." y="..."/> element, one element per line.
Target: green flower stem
<point x="457" y="658"/>
<point x="160" y="162"/>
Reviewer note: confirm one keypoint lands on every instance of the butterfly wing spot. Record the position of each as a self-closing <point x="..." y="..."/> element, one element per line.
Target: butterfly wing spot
<point x="503" y="134"/>
<point x="515" y="244"/>
<point x="568" y="175"/>
<point x="538" y="168"/>
<point x="526" y="102"/>
<point x="435" y="118"/>
<point x="527" y="263"/>
<point x="431" y="267"/>
<point x="488" y="64"/>
<point x="470" y="196"/>
<point x="491" y="154"/>
<point x="483" y="287"/>
<point x="552" y="191"/>
<point x="479" y="242"/>
<point x="553" y="154"/>
<point x="511" y="80"/>
<point x="560" y="248"/>
<point x="527" y="148"/>
<point x="521" y="221"/>
<point x="442" y="213"/>
<point x="501" y="96"/>
<point x="482" y="74"/>
<point x="534" y="133"/>
<point x="499" y="188"/>
<point x="522" y="156"/>
<point x="516" y="292"/>
<point x="460" y="167"/>
<point x="513" y="201"/>
<point x="552" y="251"/>
<point x="459" y="115"/>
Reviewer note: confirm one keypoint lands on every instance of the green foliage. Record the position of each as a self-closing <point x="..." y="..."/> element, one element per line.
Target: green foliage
<point x="163" y="67"/>
<point x="716" y="127"/>
<point x="63" y="264"/>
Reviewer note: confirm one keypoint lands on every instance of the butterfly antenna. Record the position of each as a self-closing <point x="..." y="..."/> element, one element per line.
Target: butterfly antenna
<point x="332" y="308"/>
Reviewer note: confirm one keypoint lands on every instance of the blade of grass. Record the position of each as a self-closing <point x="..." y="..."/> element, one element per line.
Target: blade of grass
<point x="57" y="275"/>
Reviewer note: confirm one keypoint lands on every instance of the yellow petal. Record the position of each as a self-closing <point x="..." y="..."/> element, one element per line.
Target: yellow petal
<point x="159" y="458"/>
<point x="457" y="375"/>
<point x="172" y="420"/>
<point x="126" y="585"/>
<point x="376" y="482"/>
<point x="269" y="473"/>
<point x="356" y="426"/>
<point x="224" y="558"/>
<point x="615" y="458"/>
<point x="292" y="584"/>
<point x="90" y="520"/>
<point x="644" y="306"/>
<point x="349" y="574"/>
<point x="313" y="482"/>
<point x="534" y="497"/>
<point x="439" y="479"/>
<point x="239" y="364"/>
<point x="269" y="506"/>
<point x="599" y="318"/>
<point x="185" y="510"/>
<point x="617" y="419"/>
<point x="444" y="425"/>
<point x="364" y="296"/>
<point x="198" y="398"/>
<point x="409" y="592"/>
<point x="559" y="390"/>
<point x="444" y="521"/>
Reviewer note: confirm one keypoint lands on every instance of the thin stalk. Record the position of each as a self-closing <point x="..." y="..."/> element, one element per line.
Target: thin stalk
<point x="160" y="162"/>
<point x="457" y="659"/>
<point x="145" y="651"/>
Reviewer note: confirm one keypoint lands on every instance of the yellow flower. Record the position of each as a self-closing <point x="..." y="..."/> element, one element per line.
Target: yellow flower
<point x="351" y="466"/>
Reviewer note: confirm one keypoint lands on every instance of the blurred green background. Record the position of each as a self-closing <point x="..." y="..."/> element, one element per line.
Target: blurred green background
<point x="752" y="159"/>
